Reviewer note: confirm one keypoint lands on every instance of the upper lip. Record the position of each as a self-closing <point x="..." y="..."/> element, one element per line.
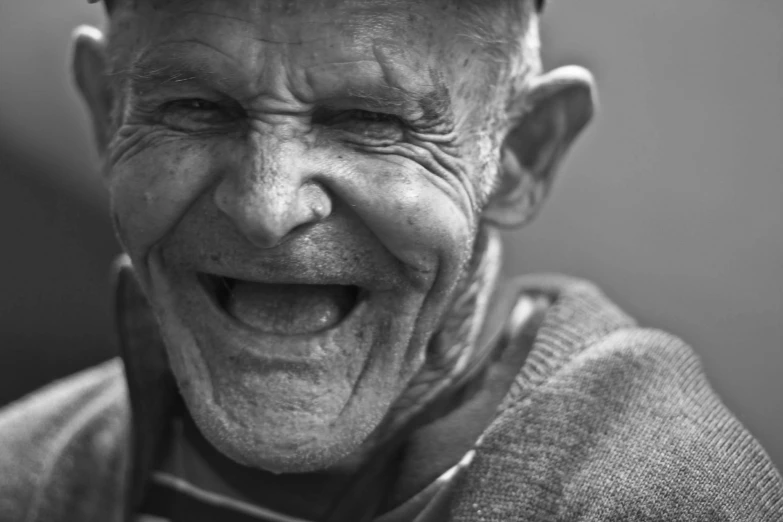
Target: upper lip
<point x="287" y="279"/>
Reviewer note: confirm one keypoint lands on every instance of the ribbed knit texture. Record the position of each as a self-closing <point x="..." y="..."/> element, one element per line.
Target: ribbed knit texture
<point x="610" y="422"/>
<point x="606" y="422"/>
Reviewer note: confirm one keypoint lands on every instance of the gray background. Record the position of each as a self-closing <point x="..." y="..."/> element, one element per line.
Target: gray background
<point x="672" y="202"/>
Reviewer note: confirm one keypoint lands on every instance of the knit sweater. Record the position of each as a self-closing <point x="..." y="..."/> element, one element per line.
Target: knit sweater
<point x="605" y="421"/>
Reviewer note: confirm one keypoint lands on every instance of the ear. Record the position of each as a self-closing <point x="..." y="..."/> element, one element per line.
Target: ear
<point x="552" y="112"/>
<point x="88" y="68"/>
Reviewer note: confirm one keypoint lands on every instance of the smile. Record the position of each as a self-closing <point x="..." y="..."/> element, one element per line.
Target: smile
<point x="282" y="309"/>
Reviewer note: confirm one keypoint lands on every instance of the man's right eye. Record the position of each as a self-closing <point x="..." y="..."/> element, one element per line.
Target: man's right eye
<point x="195" y="114"/>
<point x="196" y="104"/>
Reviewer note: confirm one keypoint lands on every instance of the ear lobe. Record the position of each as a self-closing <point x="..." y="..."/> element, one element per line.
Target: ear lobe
<point x="88" y="67"/>
<point x="553" y="111"/>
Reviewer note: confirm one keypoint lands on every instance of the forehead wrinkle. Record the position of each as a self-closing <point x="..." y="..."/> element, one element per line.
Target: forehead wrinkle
<point x="251" y="24"/>
<point x="399" y="66"/>
<point x="282" y="27"/>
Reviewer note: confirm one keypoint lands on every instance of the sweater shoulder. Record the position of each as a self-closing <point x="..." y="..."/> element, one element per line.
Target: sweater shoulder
<point x="628" y="428"/>
<point x="60" y="440"/>
<point x="57" y="402"/>
<point x="662" y="426"/>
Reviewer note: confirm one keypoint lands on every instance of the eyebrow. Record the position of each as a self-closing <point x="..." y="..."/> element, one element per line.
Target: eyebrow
<point x="158" y="68"/>
<point x="432" y="106"/>
<point x="427" y="106"/>
<point x="149" y="77"/>
<point x="361" y="81"/>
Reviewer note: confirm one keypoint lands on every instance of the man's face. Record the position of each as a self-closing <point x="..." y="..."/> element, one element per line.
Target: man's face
<point x="296" y="186"/>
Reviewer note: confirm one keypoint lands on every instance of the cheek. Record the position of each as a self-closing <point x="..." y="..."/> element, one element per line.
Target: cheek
<point x="151" y="191"/>
<point x="417" y="217"/>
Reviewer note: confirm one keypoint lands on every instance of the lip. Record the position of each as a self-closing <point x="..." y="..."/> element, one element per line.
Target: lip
<point x="191" y="313"/>
<point x="213" y="289"/>
<point x="220" y="290"/>
<point x="365" y="282"/>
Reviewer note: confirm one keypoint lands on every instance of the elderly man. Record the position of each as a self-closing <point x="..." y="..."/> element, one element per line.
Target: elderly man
<point x="310" y="314"/>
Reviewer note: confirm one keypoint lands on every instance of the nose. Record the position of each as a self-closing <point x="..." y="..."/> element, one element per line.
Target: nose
<point x="272" y="192"/>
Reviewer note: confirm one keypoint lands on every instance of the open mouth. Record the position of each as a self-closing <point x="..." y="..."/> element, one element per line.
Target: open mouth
<point x="282" y="309"/>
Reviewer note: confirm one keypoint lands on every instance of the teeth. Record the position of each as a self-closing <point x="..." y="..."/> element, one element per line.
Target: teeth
<point x="287" y="309"/>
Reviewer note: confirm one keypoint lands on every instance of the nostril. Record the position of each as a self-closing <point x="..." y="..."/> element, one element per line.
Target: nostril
<point x="318" y="201"/>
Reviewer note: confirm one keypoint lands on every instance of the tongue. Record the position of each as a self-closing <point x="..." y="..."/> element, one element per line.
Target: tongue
<point x="289" y="309"/>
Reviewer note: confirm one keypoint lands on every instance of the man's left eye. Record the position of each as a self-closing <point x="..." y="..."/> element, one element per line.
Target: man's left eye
<point x="366" y="126"/>
<point x="370" y="116"/>
<point x="329" y="117"/>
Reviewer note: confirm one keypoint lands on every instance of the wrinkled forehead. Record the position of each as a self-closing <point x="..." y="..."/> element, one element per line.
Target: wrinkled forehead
<point x="298" y="22"/>
<point x="375" y="47"/>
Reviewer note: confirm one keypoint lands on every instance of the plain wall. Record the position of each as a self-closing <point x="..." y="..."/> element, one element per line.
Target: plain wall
<point x="671" y="202"/>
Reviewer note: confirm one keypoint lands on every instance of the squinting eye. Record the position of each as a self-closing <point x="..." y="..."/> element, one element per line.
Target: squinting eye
<point x="370" y="116"/>
<point x="331" y="117"/>
<point x="193" y="104"/>
<point x="198" y="114"/>
<point x="367" y="127"/>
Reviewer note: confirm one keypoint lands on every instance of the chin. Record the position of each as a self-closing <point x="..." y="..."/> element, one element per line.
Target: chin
<point x="297" y="443"/>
